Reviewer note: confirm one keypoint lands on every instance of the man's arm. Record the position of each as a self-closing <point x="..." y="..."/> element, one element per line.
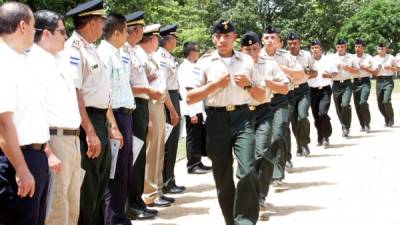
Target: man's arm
<point x="172" y="112"/>
<point x="281" y="88"/>
<point x="294" y="73"/>
<point x="112" y="128"/>
<point x="11" y="149"/>
<point x="197" y="94"/>
<point x="151" y="92"/>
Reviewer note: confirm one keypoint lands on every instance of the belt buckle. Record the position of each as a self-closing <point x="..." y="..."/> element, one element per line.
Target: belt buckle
<point x="252" y="107"/>
<point x="341" y="81"/>
<point x="296" y="86"/>
<point x="230" y="108"/>
<point x="320" y="88"/>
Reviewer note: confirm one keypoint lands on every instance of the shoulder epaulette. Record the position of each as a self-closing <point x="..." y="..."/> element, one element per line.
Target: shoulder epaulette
<point x="76" y="43"/>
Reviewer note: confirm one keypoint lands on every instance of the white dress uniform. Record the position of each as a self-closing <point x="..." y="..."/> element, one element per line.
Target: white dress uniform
<point x="305" y="59"/>
<point x="365" y="60"/>
<point x="347" y="59"/>
<point x="324" y="64"/>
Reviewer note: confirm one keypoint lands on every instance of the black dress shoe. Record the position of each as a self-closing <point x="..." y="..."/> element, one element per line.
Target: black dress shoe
<point x="289" y="164"/>
<point x="306" y="150"/>
<point x="197" y="170"/>
<point x="202" y="166"/>
<point x="325" y="142"/>
<point x="263" y="205"/>
<point x="152" y="211"/>
<point x="299" y="152"/>
<point x="160" y="202"/>
<point x="367" y="128"/>
<point x="168" y="199"/>
<point x="174" y="190"/>
<point x="345" y="132"/>
<point x="143" y="215"/>
<point x="362" y="129"/>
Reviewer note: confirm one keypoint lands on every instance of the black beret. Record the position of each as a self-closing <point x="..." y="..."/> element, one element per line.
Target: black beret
<point x="136" y="18"/>
<point x="90" y="8"/>
<point x="293" y="36"/>
<point x="169" y="30"/>
<point x="382" y="45"/>
<point x="341" y="41"/>
<point x="315" y="42"/>
<point x="271" y="30"/>
<point x="249" y="38"/>
<point x="223" y="26"/>
<point x="360" y="41"/>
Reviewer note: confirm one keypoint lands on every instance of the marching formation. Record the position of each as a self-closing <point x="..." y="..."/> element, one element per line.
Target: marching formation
<point x="89" y="130"/>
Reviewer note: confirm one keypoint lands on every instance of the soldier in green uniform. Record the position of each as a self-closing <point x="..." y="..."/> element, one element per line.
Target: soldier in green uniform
<point x="275" y="81"/>
<point x="362" y="84"/>
<point x="225" y="81"/>
<point x="301" y="96"/>
<point x="387" y="66"/>
<point x="342" y="85"/>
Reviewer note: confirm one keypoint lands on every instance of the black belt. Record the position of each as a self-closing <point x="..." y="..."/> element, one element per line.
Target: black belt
<point x="141" y="100"/>
<point x="124" y="110"/>
<point x="67" y="132"/>
<point x="384" y="77"/>
<point x="361" y="79"/>
<point x="299" y="85"/>
<point x="230" y="108"/>
<point x="36" y="147"/>
<point x="320" y="87"/>
<point x="258" y="107"/>
<point x="173" y="91"/>
<point x="96" y="110"/>
<point x="341" y="81"/>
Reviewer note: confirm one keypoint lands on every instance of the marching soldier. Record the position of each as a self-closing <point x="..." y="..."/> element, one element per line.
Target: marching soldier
<point x="342" y="85"/>
<point x="93" y="91"/>
<point x="362" y="84"/>
<point x="277" y="82"/>
<point x="384" y="83"/>
<point x="321" y="93"/>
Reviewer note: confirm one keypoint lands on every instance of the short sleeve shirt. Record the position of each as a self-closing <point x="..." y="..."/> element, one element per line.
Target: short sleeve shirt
<point x="365" y="60"/>
<point x="324" y="64"/>
<point x="307" y="62"/>
<point x="347" y="59"/>
<point x="169" y="65"/>
<point x="388" y="60"/>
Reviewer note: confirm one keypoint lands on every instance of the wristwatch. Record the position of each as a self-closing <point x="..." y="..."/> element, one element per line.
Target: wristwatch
<point x="248" y="87"/>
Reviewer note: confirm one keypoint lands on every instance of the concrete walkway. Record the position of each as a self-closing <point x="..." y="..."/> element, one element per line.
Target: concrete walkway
<point x="354" y="182"/>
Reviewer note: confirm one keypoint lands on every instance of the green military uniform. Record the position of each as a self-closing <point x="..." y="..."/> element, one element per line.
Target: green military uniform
<point x="230" y="126"/>
<point x="384" y="87"/>
<point x="361" y="90"/>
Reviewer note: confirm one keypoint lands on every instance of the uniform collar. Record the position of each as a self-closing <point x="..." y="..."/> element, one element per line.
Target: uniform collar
<point x="110" y="47"/>
<point x="236" y="55"/>
<point x="185" y="61"/>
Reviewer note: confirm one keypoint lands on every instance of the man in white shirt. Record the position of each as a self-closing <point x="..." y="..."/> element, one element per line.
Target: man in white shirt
<point x="194" y="114"/>
<point x="24" y="173"/>
<point x="321" y="93"/>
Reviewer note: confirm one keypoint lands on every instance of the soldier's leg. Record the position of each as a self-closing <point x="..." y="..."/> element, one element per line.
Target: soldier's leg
<point x="315" y="98"/>
<point x="303" y="126"/>
<point x="357" y="88"/>
<point x="219" y="149"/>
<point x="365" y="91"/>
<point x="337" y="99"/>
<point x="345" y="105"/>
<point x="279" y="135"/>
<point x="387" y="101"/>
<point x="379" y="97"/>
<point x="193" y="142"/>
<point x="325" y="120"/>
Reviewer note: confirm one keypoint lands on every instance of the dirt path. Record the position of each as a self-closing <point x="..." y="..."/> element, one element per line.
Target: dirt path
<point x="354" y="182"/>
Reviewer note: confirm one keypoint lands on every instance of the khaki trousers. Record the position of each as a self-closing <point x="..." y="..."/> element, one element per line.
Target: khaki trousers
<point x="154" y="153"/>
<point x="65" y="192"/>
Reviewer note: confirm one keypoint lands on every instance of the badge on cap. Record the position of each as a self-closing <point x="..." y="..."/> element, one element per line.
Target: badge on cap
<point x="250" y="42"/>
<point x="225" y="23"/>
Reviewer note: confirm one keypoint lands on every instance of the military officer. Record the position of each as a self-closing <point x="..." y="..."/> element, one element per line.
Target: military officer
<point x="23" y="124"/>
<point x="321" y="93"/>
<point x="169" y="66"/>
<point x="277" y="82"/>
<point x="93" y="91"/>
<point x="225" y="80"/>
<point x="136" y="67"/>
<point x="387" y="66"/>
<point x="342" y="85"/>
<point x="301" y="95"/>
<point x="362" y="84"/>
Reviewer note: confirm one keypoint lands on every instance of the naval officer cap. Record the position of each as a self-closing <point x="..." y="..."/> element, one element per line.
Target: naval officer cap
<point x="293" y="36"/>
<point x="341" y="41"/>
<point x="168" y="30"/>
<point x="249" y="38"/>
<point x="223" y="26"/>
<point x="136" y="18"/>
<point x="271" y="30"/>
<point x="152" y="29"/>
<point x="90" y="8"/>
<point x="316" y="42"/>
<point x="360" y="41"/>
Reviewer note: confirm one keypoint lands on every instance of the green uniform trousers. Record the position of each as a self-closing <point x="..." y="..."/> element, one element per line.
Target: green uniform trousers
<point x="97" y="171"/>
<point x="342" y="95"/>
<point x="140" y="116"/>
<point x="227" y="131"/>
<point x="384" y="89"/>
<point x="361" y="90"/>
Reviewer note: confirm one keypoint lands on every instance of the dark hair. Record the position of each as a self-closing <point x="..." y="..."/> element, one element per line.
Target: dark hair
<point x="81" y="21"/>
<point x="164" y="39"/>
<point x="146" y="38"/>
<point x="11" y="14"/>
<point x="189" y="47"/>
<point x="114" y="22"/>
<point x="45" y="20"/>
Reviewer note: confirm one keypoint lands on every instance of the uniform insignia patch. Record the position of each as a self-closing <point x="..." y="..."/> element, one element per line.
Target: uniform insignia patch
<point x="76" y="44"/>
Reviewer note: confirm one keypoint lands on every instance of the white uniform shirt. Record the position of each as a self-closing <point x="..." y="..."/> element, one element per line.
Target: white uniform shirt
<point x="307" y="62"/>
<point x="185" y="76"/>
<point x="365" y="60"/>
<point x="85" y="67"/>
<point x="61" y="102"/>
<point x="22" y="94"/>
<point x="388" y="60"/>
<point x="347" y="59"/>
<point x="121" y="92"/>
<point x="135" y="66"/>
<point x="212" y="66"/>
<point x="152" y="68"/>
<point x="324" y="64"/>
<point x="169" y="66"/>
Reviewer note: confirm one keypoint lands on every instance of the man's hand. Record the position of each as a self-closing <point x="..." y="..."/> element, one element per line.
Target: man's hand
<point x="174" y="117"/>
<point x="93" y="143"/>
<point x="242" y="80"/>
<point x="114" y="133"/>
<point x="54" y="162"/>
<point x="152" y="76"/>
<point x="154" y="94"/>
<point x="223" y="81"/>
<point x="326" y="75"/>
<point x="25" y="182"/>
<point x="194" y="120"/>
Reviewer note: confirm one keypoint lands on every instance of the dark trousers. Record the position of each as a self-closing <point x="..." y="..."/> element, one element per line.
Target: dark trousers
<point x="227" y="131"/>
<point x="299" y="117"/>
<point x="361" y="90"/>
<point x="320" y="103"/>
<point x="15" y="210"/>
<point x="384" y="89"/>
<point x="117" y="191"/>
<point x="171" y="147"/>
<point x="195" y="141"/>
<point x="97" y="173"/>
<point x="136" y="181"/>
<point x="342" y="95"/>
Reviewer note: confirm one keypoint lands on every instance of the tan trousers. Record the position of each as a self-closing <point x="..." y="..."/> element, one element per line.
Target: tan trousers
<point x="155" y="153"/>
<point x="65" y="191"/>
